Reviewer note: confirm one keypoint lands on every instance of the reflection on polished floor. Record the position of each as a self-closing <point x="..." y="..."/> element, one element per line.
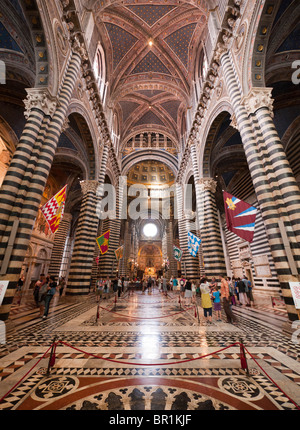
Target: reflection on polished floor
<point x="144" y="352"/>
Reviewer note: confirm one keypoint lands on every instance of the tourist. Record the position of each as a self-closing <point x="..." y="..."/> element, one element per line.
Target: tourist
<point x="42" y="295"/>
<point x="20" y="285"/>
<point x="213" y="284"/>
<point x="242" y="292"/>
<point x="119" y="286"/>
<point x="126" y="282"/>
<point x="115" y="286"/>
<point x="236" y="292"/>
<point x="37" y="287"/>
<point x="159" y="284"/>
<point x="206" y="300"/>
<point x="106" y="288"/>
<point x="51" y="290"/>
<point x="231" y="290"/>
<point x="217" y="302"/>
<point x="61" y="285"/>
<point x="225" y="298"/>
<point x="164" y="285"/>
<point x="249" y="294"/>
<point x="194" y="289"/>
<point x="99" y="290"/>
<point x="188" y="294"/>
<point x="174" y="284"/>
<point x="182" y="283"/>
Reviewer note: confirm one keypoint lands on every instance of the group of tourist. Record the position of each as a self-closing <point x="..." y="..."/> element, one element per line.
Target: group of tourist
<point x="44" y="291"/>
<point x="222" y="292"/>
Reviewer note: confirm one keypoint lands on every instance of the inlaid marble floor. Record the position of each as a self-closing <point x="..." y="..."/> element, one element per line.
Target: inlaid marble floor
<point x="147" y="352"/>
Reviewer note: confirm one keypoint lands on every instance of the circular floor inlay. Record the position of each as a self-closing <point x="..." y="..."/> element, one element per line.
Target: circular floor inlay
<point x="240" y="387"/>
<point x="55" y="387"/>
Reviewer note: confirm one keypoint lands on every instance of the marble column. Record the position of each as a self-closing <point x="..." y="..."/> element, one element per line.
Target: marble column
<point x="80" y="274"/>
<point x="26" y="178"/>
<point x="273" y="181"/>
<point x="59" y="245"/>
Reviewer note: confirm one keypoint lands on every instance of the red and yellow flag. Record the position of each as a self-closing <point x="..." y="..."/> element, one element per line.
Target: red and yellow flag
<point x="53" y="210"/>
<point x="103" y="242"/>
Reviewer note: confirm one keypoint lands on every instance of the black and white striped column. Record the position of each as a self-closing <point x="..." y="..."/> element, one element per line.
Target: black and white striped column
<point x="59" y="245"/>
<point x="108" y="264"/>
<point x="189" y="264"/>
<point x="79" y="279"/>
<point x="172" y="262"/>
<point x="274" y="201"/>
<point x="212" y="246"/>
<point x="22" y="189"/>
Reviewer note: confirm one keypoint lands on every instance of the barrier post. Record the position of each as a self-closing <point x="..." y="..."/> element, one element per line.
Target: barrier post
<point x="98" y="313"/>
<point x="243" y="358"/>
<point x="52" y="356"/>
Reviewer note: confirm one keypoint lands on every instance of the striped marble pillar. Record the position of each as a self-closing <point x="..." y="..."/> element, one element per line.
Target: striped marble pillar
<point x="80" y="274"/>
<point x="59" y="245"/>
<point x="126" y="251"/>
<point x="189" y="264"/>
<point x="108" y="264"/>
<point x="22" y="189"/>
<point x="270" y="176"/>
<point x="172" y="262"/>
<point x="259" y="105"/>
<point x="212" y="247"/>
<point x="199" y="202"/>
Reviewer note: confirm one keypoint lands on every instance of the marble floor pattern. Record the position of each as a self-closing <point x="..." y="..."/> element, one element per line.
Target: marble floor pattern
<point x="147" y="352"/>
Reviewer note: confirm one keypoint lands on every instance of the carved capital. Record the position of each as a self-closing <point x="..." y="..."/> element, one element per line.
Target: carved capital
<point x="40" y="98"/>
<point x="87" y="186"/>
<point x="207" y="184"/>
<point x="234" y="123"/>
<point x="258" y="98"/>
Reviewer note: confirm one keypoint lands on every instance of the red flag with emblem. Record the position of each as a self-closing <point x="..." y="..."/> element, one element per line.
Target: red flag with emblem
<point x="240" y="217"/>
<point x="53" y="210"/>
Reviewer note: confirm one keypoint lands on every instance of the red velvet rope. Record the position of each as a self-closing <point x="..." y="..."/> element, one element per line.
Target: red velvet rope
<point x="52" y="362"/>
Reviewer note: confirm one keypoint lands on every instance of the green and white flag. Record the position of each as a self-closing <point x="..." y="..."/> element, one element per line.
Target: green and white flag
<point x="177" y="252"/>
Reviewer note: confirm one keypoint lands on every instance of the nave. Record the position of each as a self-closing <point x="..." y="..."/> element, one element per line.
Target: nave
<point x="146" y="352"/>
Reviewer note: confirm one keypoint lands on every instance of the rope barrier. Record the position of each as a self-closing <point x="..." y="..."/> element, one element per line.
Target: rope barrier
<point x="242" y="358"/>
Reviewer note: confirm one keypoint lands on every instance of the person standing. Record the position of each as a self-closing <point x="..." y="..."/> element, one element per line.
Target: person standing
<point x="249" y="294"/>
<point x="225" y="297"/>
<point x="164" y="285"/>
<point x="37" y="287"/>
<point x="51" y="290"/>
<point x="175" y="284"/>
<point x="188" y="294"/>
<point x="242" y="292"/>
<point x="206" y="300"/>
<point x="182" y="284"/>
<point x="119" y="287"/>
<point x="42" y="295"/>
<point x="194" y="289"/>
<point x="99" y="290"/>
<point x="217" y="302"/>
<point x="61" y="285"/>
<point x="115" y="286"/>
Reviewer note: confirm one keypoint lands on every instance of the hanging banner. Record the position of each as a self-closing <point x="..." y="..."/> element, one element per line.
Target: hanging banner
<point x="103" y="242"/>
<point x="119" y="253"/>
<point x="177" y="252"/>
<point x="53" y="210"/>
<point x="295" y="288"/>
<point x="240" y="217"/>
<point x="193" y="244"/>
